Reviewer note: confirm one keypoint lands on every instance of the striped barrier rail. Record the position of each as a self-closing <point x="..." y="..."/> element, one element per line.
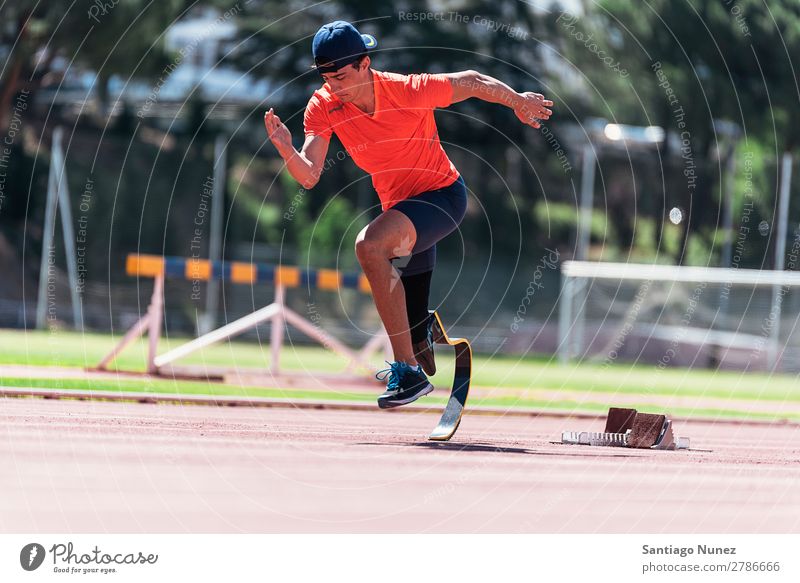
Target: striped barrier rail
<point x="281" y="276"/>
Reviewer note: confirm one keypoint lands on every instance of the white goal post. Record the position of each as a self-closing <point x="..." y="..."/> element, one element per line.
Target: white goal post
<point x="657" y="309"/>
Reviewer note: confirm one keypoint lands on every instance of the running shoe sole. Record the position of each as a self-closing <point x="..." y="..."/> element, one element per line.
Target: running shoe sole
<point x="388" y="402"/>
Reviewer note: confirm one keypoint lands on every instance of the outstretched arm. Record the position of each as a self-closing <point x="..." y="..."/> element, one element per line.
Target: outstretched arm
<point x="306" y="165"/>
<point x="529" y="107"/>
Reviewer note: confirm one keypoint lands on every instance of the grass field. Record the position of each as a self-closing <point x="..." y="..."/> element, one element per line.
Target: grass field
<point x="525" y="382"/>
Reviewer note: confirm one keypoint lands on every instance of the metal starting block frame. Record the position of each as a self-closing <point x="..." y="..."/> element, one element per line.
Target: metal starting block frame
<point x="629" y="428"/>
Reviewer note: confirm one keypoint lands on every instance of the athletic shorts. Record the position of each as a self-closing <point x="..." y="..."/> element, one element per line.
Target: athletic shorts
<point x="435" y="215"/>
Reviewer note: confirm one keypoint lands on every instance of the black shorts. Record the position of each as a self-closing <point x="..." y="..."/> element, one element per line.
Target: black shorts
<point x="435" y="215"/>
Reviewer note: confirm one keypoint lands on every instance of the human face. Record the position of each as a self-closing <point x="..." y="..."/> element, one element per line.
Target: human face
<point x="349" y="83"/>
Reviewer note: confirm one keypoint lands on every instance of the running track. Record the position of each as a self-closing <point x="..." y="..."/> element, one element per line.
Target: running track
<point x="87" y="467"/>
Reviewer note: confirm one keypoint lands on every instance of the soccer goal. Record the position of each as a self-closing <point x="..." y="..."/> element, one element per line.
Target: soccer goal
<point x="706" y="317"/>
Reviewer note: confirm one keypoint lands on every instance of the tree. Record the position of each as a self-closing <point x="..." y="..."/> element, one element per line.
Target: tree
<point x="123" y="39"/>
<point x="690" y="63"/>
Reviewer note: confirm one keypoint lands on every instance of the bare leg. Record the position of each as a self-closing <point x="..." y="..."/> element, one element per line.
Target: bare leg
<point x="390" y="235"/>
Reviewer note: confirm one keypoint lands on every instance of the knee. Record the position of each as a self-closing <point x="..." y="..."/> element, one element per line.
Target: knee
<point x="367" y="251"/>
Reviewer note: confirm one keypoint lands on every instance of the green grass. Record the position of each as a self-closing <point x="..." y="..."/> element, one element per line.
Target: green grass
<point x="63" y="348"/>
<point x="634" y="379"/>
<point x="180" y="387"/>
<point x="219" y="390"/>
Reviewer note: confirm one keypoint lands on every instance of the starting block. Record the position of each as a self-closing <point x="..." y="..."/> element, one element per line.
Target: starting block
<point x="629" y="428"/>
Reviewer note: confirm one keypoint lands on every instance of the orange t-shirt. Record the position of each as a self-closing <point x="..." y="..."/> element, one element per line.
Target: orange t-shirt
<point x="399" y="144"/>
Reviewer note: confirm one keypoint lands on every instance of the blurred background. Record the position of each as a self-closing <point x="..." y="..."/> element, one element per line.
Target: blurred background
<point x="672" y="142"/>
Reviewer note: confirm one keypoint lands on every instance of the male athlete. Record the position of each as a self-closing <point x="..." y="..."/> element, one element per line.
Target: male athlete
<point x="385" y="122"/>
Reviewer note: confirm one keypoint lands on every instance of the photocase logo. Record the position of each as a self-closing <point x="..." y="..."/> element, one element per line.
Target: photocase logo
<point x="31" y="556"/>
<point x="402" y="257"/>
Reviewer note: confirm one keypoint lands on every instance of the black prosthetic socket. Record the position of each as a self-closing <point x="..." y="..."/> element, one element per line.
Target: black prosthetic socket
<point x="418" y="289"/>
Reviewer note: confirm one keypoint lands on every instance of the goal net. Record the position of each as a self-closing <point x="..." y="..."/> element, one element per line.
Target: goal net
<point x="680" y="316"/>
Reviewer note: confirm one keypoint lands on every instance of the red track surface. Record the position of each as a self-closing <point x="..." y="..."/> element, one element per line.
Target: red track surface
<point x="69" y="466"/>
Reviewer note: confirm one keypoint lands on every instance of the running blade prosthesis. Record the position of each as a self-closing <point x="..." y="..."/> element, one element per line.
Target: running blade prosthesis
<point x="629" y="428"/>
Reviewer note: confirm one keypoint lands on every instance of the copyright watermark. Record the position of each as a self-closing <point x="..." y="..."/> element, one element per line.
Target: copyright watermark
<point x="496" y="26"/>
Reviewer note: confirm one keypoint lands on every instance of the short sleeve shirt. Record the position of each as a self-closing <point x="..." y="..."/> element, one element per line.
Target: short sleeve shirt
<point x="399" y="144"/>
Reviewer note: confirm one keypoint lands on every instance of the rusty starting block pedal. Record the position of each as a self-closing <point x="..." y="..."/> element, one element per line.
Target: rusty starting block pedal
<point x="629" y="428"/>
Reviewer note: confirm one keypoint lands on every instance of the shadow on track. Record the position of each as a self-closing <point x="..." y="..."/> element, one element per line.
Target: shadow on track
<point x="488" y="448"/>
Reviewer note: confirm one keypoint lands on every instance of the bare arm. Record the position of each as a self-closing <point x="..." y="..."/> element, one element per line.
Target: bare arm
<point x="529" y="107"/>
<point x="306" y="165"/>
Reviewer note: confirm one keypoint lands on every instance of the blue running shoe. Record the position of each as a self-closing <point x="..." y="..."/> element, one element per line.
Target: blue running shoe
<point x="406" y="385"/>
